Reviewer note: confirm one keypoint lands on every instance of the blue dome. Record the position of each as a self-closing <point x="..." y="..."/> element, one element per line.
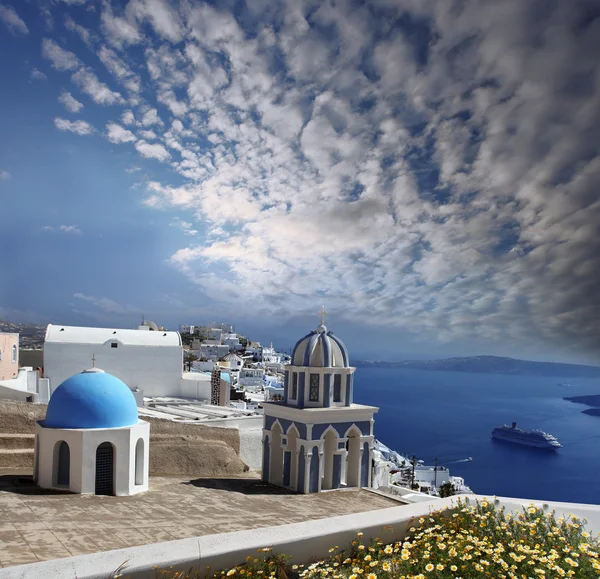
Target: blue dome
<point x="320" y="349"/>
<point x="92" y="399"/>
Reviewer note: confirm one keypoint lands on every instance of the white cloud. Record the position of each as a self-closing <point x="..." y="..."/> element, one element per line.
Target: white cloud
<point x="164" y="18"/>
<point x="152" y="150"/>
<point x="72" y="229"/>
<point x="70" y="102"/>
<point x="133" y="169"/>
<point x="12" y="20"/>
<point x="83" y="32"/>
<point x="128" y="118"/>
<point x="61" y="59"/>
<point x="185" y="226"/>
<point x="4" y="175"/>
<point x="150" y="117"/>
<point x="78" y="127"/>
<point x="118" y="30"/>
<point x="117" y="134"/>
<point x="119" y="69"/>
<point x="104" y="304"/>
<point x="99" y="92"/>
<point x="37" y="75"/>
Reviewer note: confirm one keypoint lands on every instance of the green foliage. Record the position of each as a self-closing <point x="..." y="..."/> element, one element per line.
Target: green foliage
<point x="447" y="490"/>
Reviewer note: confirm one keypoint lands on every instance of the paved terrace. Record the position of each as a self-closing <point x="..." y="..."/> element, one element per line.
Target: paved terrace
<point x="37" y="525"/>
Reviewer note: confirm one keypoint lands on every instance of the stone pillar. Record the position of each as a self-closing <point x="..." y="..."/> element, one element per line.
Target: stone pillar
<point x="327" y="394"/>
<point x="336" y="482"/>
<point x="287" y="455"/>
<point x="266" y="459"/>
<point x="303" y="471"/>
<point x="315" y="471"/>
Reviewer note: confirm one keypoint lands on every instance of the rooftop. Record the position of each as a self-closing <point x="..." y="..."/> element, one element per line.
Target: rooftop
<point x="38" y="525"/>
<point x="83" y="335"/>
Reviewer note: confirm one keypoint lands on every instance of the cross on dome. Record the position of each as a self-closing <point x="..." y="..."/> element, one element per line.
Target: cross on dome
<point x="322" y="313"/>
<point x="93" y="360"/>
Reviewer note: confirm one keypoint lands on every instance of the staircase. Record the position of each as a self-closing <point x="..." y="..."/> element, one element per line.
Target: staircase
<point x="16" y="450"/>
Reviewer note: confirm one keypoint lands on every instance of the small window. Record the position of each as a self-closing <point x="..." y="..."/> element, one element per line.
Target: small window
<point x="295" y="386"/>
<point x="337" y="388"/>
<point x="0" y="355"/>
<point x="314" y="388"/>
<point x="114" y="345"/>
<point x="14" y="354"/>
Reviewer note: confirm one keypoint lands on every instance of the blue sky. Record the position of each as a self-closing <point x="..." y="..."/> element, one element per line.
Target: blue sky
<point x="427" y="170"/>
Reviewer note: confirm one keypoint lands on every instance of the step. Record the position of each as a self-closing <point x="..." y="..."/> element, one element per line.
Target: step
<point x="16" y="457"/>
<point x="16" y="441"/>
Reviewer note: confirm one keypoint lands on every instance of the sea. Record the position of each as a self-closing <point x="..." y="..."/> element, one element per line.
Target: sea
<point x="450" y="416"/>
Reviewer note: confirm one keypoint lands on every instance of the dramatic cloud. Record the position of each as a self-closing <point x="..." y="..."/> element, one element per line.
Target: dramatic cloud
<point x="12" y="20"/>
<point x="70" y="102"/>
<point x="78" y="127"/>
<point x="117" y="134"/>
<point x="430" y="166"/>
<point x="61" y="59"/>
<point x="99" y="92"/>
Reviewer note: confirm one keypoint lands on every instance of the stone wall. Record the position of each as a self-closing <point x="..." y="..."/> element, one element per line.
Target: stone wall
<point x="176" y="448"/>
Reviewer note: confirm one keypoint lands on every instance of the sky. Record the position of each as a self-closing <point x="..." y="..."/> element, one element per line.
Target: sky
<point x="427" y="170"/>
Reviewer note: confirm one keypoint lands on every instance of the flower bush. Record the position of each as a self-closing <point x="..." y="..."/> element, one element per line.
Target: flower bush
<point x="463" y="542"/>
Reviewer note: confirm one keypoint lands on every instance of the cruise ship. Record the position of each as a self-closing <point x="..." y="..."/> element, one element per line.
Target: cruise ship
<point x="535" y="438"/>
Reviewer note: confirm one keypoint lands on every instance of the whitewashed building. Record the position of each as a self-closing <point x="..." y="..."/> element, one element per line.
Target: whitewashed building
<point x="251" y="377"/>
<point x="91" y="441"/>
<point x="151" y="361"/>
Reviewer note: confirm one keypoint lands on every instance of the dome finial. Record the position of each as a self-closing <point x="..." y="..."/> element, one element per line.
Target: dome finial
<point x="322" y="327"/>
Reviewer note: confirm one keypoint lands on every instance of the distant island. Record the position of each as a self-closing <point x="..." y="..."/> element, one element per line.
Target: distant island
<point x="592" y="400"/>
<point x="492" y="365"/>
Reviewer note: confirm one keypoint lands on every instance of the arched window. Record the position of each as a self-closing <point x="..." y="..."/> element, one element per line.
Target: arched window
<point x="139" y="462"/>
<point x="63" y="464"/>
<point x="14" y="353"/>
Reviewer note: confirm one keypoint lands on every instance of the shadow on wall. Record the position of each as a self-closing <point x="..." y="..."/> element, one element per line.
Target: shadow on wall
<point x="243" y="486"/>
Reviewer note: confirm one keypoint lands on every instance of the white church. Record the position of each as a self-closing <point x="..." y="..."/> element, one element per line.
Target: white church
<point x="148" y="360"/>
<point x="92" y="441"/>
<point x="317" y="438"/>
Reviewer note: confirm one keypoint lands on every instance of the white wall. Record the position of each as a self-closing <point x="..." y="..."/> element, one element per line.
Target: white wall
<point x="156" y="370"/>
<point x="82" y="449"/>
<point x="195" y="385"/>
<point x="27" y="383"/>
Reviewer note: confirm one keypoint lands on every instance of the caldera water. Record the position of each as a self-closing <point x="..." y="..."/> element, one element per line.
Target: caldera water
<point x="450" y="415"/>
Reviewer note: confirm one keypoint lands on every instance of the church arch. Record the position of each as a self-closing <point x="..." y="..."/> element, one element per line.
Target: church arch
<point x="276" y="469"/>
<point x="330" y="445"/>
<point x="139" y="462"/>
<point x="292" y="446"/>
<point x="62" y="460"/>
<point x="105" y="469"/>
<point x="353" y="447"/>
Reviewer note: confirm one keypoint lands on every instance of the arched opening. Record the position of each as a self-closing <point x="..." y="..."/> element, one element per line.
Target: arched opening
<point x="365" y="466"/>
<point x="276" y="471"/>
<point x="353" y="458"/>
<point x="139" y="462"/>
<point x="105" y="469"/>
<point x="292" y="446"/>
<point x="329" y="447"/>
<point x="62" y="460"/>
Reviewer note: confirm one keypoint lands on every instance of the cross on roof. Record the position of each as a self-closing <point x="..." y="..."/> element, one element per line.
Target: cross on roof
<point x="323" y="313"/>
<point x="93" y="360"/>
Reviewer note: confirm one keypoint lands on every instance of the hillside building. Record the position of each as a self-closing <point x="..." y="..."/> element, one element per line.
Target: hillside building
<point x="317" y="438"/>
<point x="9" y="356"/>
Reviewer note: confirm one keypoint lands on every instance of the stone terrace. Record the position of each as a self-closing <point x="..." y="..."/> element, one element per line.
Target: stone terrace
<point x="37" y="525"/>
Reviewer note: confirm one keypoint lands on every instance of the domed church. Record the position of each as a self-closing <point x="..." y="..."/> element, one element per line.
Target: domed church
<point x="91" y="441"/>
<point x="317" y="438"/>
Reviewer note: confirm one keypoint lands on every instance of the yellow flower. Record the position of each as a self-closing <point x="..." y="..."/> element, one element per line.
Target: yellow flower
<point x="453" y="568"/>
<point x="429" y="567"/>
<point x="371" y="576"/>
<point x="230" y="572"/>
<point x="368" y="558"/>
<point x="359" y="534"/>
<point x="388" y="550"/>
<point x="386" y="567"/>
<point x="439" y="567"/>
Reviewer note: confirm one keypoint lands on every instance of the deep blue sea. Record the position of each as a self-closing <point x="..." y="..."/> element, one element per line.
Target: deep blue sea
<point x="450" y="415"/>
